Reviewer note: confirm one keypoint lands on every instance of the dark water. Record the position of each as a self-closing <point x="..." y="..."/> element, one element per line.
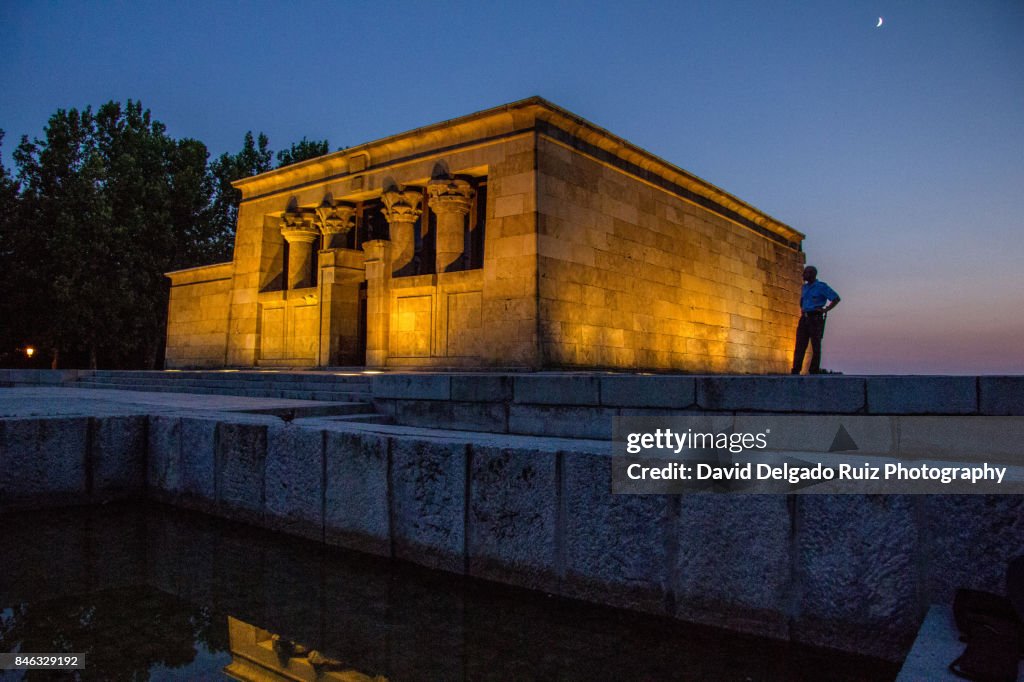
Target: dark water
<point x="149" y="592"/>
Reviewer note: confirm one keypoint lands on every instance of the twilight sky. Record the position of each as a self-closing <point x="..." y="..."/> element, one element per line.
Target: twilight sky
<point x="898" y="150"/>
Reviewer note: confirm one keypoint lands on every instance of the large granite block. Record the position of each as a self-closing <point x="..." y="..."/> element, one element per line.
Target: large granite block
<point x="55" y="377"/>
<point x="412" y="386"/>
<point x="972" y="440"/>
<point x="43" y="462"/>
<point x="240" y="467"/>
<point x="616" y="549"/>
<point x="180" y="460"/>
<point x="673" y="392"/>
<point x="823" y="394"/>
<point x="23" y="377"/>
<point x="922" y="395"/>
<point x="428" y="502"/>
<point x="163" y="457"/>
<point x="856" y="573"/>
<point x="513" y="506"/>
<point x="818" y="433"/>
<point x="356" y="492"/>
<point x="969" y="541"/>
<point x="118" y="457"/>
<point x="482" y="388"/>
<point x="198" y="462"/>
<point x="561" y="422"/>
<point x="295" y="481"/>
<point x="558" y="390"/>
<point x="1001" y="395"/>
<point x="448" y="414"/>
<point x="732" y="569"/>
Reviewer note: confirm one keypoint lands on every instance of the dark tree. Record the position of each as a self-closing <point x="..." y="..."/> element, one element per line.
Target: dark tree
<point x="103" y="205"/>
<point x="301" y="151"/>
<point x="13" y="327"/>
<point x="61" y="238"/>
<point x="109" y="203"/>
<point x="254" y="158"/>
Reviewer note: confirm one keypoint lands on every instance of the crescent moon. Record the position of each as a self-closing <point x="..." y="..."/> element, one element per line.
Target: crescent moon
<point x="880" y="22"/>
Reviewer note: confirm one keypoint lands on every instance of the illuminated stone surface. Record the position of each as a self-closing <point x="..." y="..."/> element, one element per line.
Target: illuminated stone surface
<point x="521" y="236"/>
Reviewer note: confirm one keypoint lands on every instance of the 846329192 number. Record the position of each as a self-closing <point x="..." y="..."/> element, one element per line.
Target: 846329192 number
<point x="41" y="661"/>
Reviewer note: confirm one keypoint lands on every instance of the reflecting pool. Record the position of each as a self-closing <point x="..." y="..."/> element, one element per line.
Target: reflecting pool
<point x="150" y="592"/>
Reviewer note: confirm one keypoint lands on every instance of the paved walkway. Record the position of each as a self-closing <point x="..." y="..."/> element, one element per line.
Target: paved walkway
<point x="55" y="401"/>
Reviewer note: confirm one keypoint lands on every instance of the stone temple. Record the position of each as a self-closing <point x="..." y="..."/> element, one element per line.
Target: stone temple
<point x="518" y="237"/>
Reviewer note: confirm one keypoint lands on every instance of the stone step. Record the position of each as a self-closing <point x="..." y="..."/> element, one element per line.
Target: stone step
<point x="106" y="375"/>
<point x="256" y="392"/>
<point x="347" y="411"/>
<point x="228" y="383"/>
<point x="367" y="418"/>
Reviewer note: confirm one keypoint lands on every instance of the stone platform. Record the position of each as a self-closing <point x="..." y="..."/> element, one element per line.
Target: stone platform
<point x="852" y="572"/>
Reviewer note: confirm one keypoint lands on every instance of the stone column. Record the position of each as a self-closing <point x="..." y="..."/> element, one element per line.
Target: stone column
<point x="379" y="266"/>
<point x="342" y="271"/>
<point x="335" y="220"/>
<point x="300" y="234"/>
<point x="450" y="199"/>
<point x="401" y="209"/>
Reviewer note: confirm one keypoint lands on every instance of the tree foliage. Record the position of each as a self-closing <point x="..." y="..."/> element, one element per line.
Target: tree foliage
<point x="255" y="157"/>
<point x="301" y="151"/>
<point x="102" y="205"/>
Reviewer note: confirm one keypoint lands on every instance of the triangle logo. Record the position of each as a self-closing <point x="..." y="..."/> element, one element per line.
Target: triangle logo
<point x="842" y="441"/>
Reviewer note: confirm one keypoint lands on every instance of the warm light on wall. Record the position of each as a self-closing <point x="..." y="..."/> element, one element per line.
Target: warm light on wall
<point x="29" y="351"/>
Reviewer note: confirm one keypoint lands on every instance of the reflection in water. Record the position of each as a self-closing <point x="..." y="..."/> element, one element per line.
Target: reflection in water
<point x="257" y="654"/>
<point x="151" y="591"/>
<point x="125" y="634"/>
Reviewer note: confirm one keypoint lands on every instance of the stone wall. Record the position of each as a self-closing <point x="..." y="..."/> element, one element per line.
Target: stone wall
<point x="633" y="276"/>
<point x="583" y="405"/>
<point x="496" y="304"/>
<point x="197" y="317"/>
<point x="849" y="572"/>
<point x="595" y="254"/>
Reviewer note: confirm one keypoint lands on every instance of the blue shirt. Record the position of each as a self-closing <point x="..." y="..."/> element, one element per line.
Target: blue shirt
<point x="814" y="295"/>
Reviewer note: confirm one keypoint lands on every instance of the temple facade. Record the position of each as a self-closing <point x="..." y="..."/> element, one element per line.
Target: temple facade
<point x="518" y="237"/>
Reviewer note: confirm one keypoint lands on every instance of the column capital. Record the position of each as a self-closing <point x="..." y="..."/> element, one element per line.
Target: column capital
<point x="299" y="228"/>
<point x="450" y="195"/>
<point x="401" y="205"/>
<point x="336" y="219"/>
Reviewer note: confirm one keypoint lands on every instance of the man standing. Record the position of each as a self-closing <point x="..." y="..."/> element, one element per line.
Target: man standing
<point x="816" y="299"/>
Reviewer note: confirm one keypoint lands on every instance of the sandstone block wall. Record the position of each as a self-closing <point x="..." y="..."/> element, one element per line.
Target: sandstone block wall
<point x="595" y="254"/>
<point x="632" y="276"/>
<point x="197" y="320"/>
<point x="476" y="318"/>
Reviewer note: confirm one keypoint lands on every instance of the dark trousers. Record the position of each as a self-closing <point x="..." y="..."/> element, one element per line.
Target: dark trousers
<point x="811" y="328"/>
